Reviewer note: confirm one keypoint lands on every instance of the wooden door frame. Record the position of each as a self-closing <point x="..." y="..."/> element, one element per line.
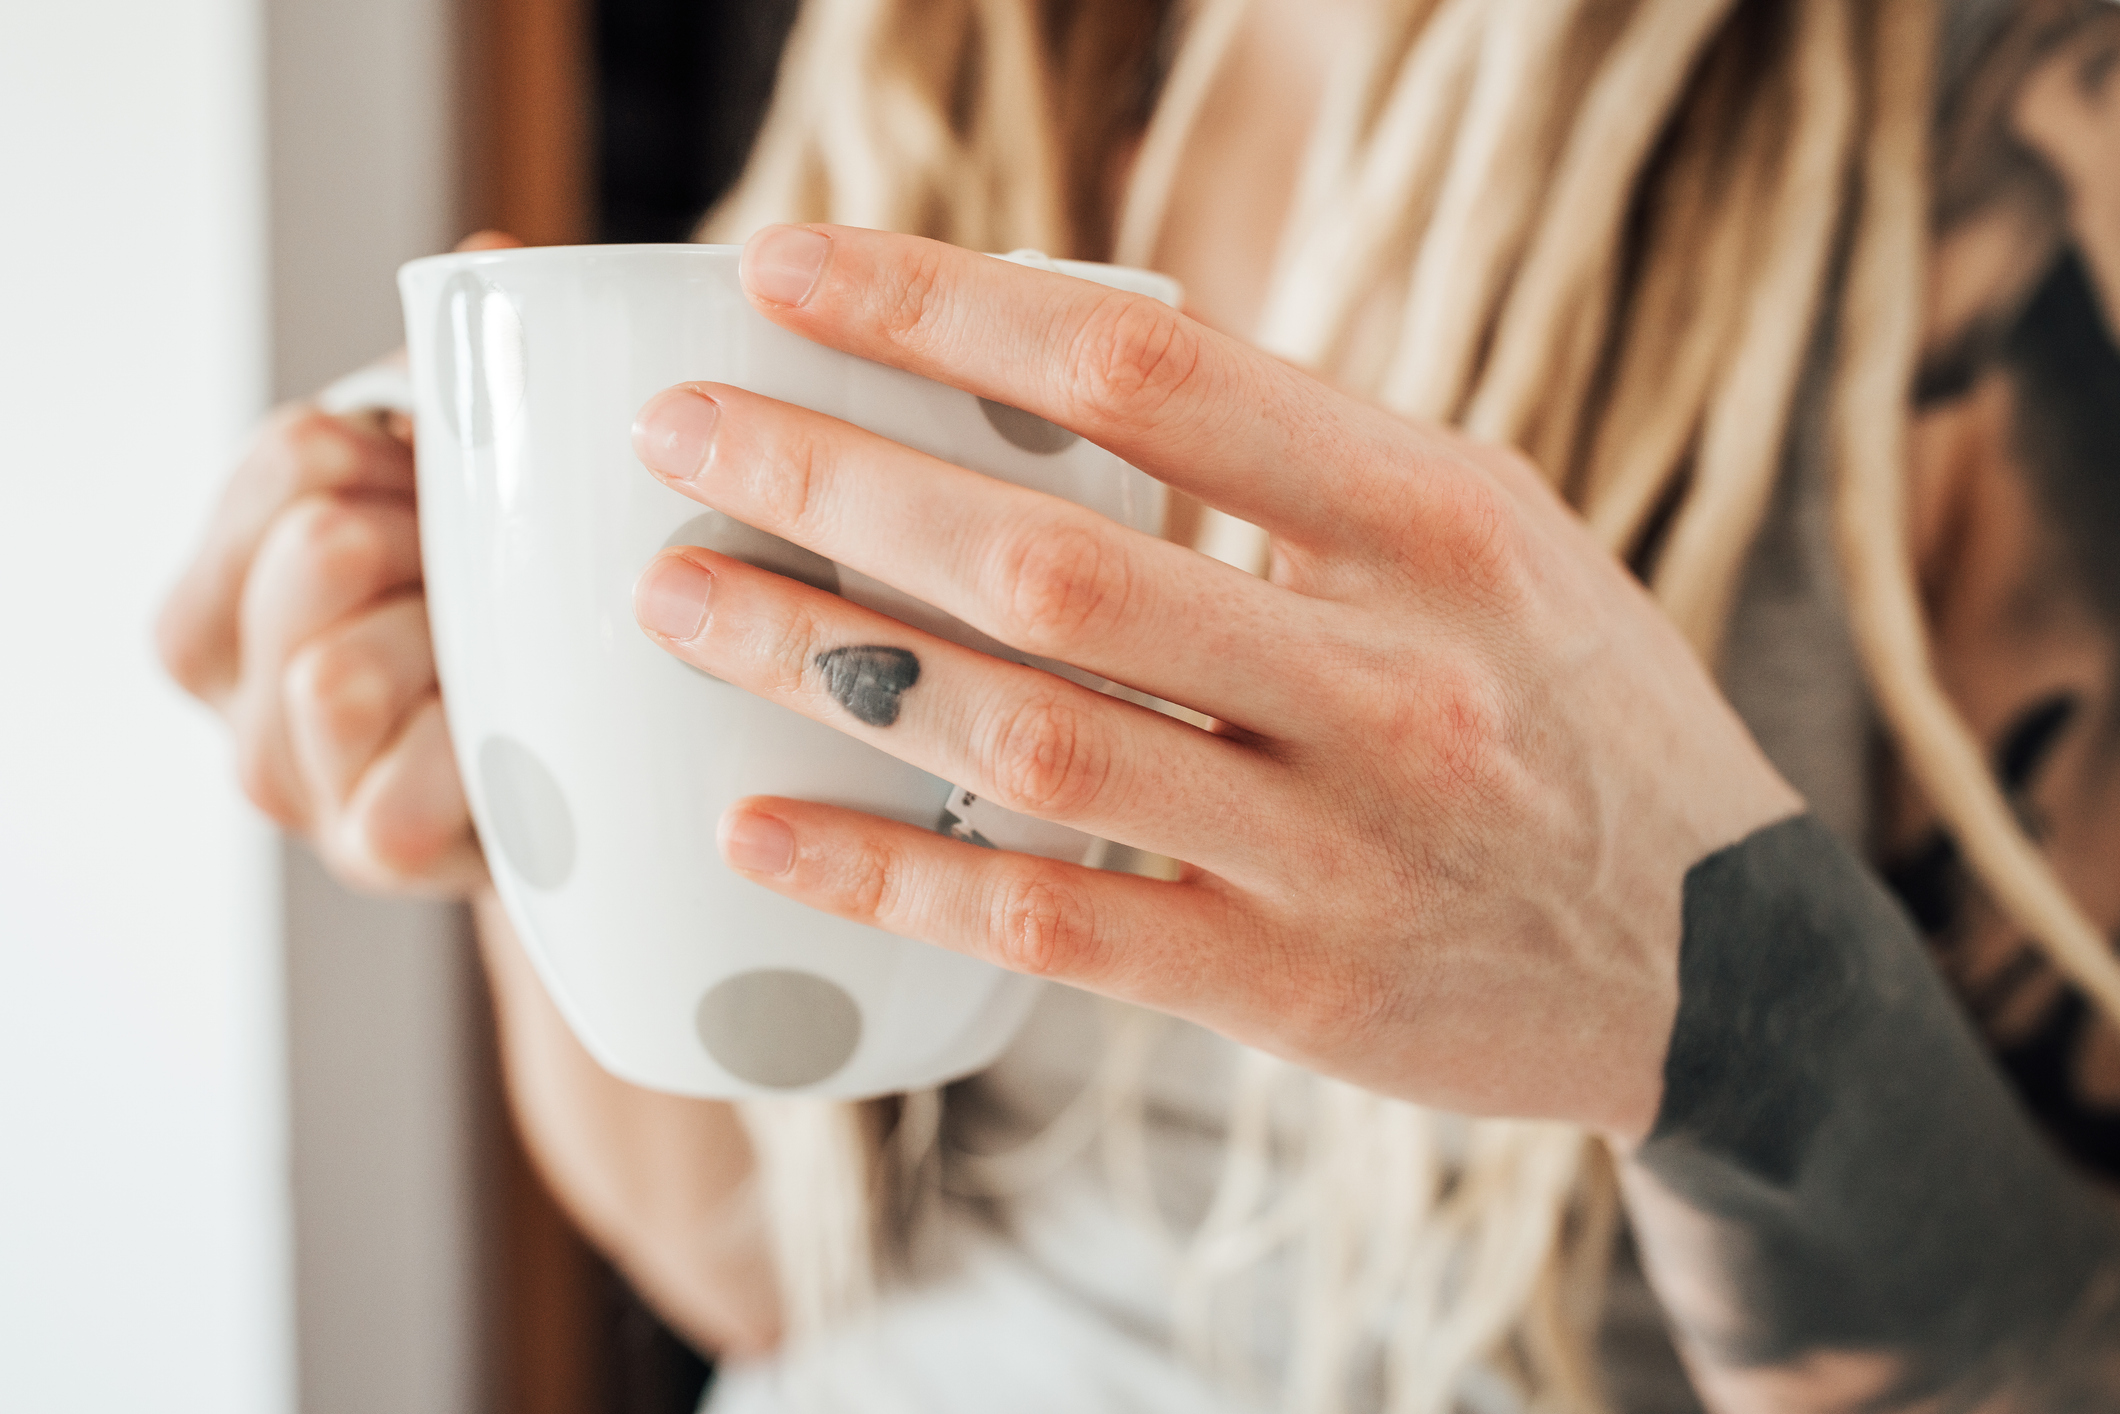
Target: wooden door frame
<point x="527" y="81"/>
<point x="524" y="76"/>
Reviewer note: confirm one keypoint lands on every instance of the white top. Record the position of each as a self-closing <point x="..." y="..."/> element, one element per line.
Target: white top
<point x="1062" y="1297"/>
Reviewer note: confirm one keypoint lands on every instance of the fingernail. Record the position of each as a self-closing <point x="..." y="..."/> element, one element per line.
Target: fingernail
<point x="782" y="263"/>
<point x="671" y="598"/>
<point x="759" y="843"/>
<point x="675" y="431"/>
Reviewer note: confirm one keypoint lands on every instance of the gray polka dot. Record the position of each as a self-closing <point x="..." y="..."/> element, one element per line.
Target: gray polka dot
<point x="478" y="361"/>
<point x="1027" y="430"/>
<point x="727" y="536"/>
<point x="778" y="1027"/>
<point x="529" y="816"/>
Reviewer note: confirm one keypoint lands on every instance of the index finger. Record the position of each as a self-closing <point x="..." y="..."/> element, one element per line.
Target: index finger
<point x="1190" y="406"/>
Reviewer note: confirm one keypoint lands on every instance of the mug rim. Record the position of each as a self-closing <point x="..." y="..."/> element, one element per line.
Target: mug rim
<point x="534" y="254"/>
<point x="1133" y="279"/>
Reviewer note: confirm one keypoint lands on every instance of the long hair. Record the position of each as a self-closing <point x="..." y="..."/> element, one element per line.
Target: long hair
<point x="1616" y="234"/>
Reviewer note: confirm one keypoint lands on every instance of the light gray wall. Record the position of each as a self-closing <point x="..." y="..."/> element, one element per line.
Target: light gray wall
<point x="204" y="200"/>
<point x="361" y="105"/>
<point x="143" y="1221"/>
<point x="390" y="1237"/>
<point x="383" y="1051"/>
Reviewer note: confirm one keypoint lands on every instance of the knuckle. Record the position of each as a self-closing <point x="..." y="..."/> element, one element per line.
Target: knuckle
<point x="1135" y="359"/>
<point x="392" y="849"/>
<point x="1359" y="676"/>
<point x="342" y="688"/>
<point x="868" y="883"/>
<point x="338" y="542"/>
<point x="1463" y="723"/>
<point x="1043" y="927"/>
<point x="1477" y="541"/>
<point x="1046" y="760"/>
<point x="786" y="481"/>
<point x="905" y="298"/>
<point x="263" y="784"/>
<point x="790" y="652"/>
<point x="1063" y="588"/>
<point x="303" y="445"/>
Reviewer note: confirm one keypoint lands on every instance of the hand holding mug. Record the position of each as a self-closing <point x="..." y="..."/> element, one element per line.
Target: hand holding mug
<point x="596" y="767"/>
<point x="1435" y="846"/>
<point x="302" y="620"/>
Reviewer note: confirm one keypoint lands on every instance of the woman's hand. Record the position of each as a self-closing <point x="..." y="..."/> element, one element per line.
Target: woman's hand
<point x="302" y="621"/>
<point x="1436" y="846"/>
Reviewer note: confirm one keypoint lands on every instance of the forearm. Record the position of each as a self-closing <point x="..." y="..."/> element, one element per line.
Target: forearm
<point x="1841" y="1202"/>
<point x="659" y="1182"/>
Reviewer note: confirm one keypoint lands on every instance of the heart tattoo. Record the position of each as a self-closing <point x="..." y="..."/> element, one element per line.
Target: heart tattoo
<point x="868" y="680"/>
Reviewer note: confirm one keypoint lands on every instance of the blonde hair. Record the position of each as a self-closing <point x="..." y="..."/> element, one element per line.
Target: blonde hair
<point x="1608" y="232"/>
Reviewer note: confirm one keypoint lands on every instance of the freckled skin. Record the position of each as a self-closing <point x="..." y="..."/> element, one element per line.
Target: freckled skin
<point x="869" y="679"/>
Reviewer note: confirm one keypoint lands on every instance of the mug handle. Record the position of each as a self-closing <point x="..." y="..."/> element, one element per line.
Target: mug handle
<point x="383" y="386"/>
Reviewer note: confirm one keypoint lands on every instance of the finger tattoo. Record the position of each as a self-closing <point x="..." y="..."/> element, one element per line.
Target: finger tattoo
<point x="869" y="679"/>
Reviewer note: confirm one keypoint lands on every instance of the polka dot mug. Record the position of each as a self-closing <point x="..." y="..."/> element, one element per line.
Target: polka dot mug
<point x="597" y="764"/>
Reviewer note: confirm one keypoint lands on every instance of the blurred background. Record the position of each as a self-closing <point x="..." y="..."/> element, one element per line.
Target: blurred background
<point x="253" y="1156"/>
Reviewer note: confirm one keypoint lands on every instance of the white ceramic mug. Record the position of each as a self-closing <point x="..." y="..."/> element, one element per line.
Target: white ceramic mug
<point x="597" y="765"/>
